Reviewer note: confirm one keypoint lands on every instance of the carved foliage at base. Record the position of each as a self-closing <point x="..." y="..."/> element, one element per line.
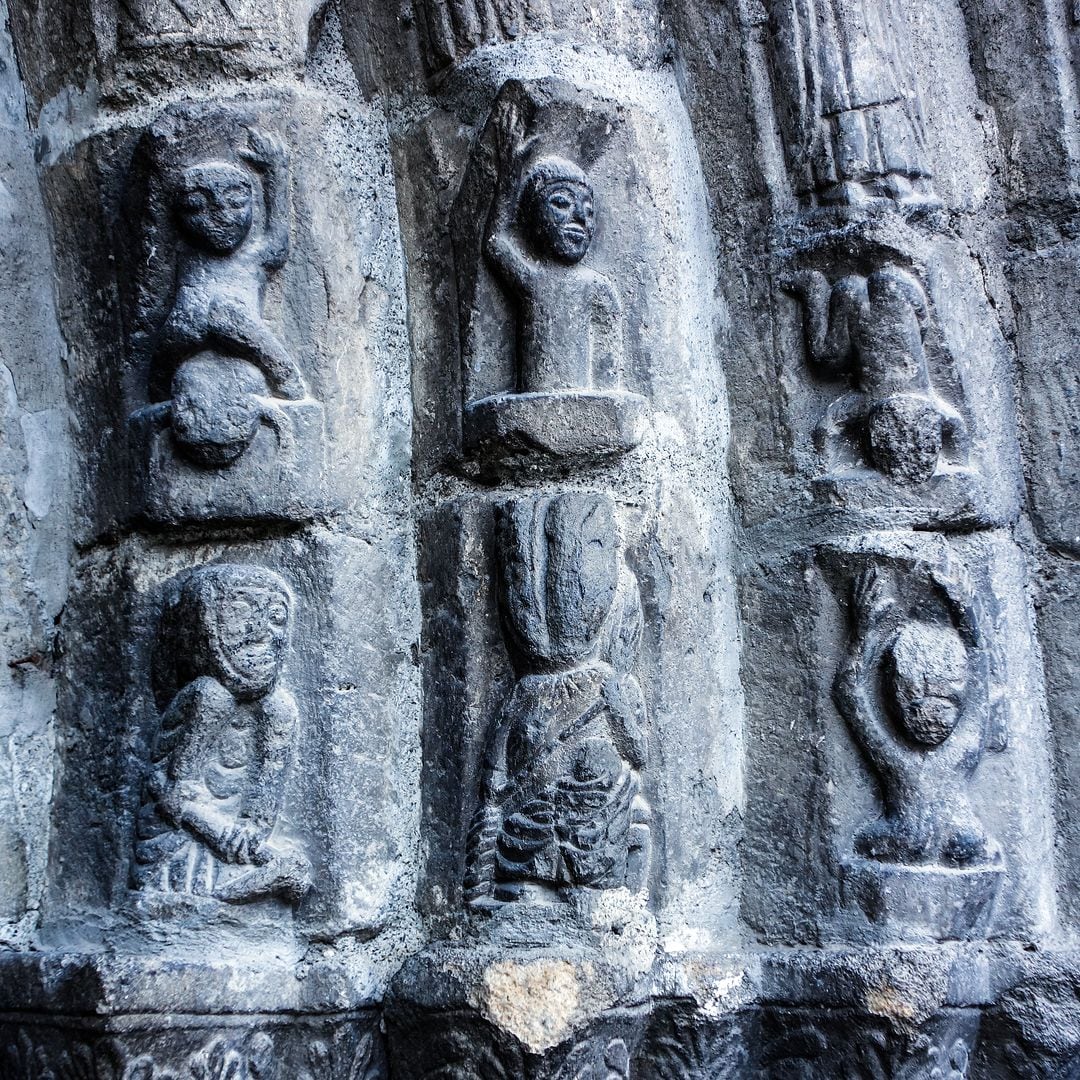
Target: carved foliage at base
<point x="561" y="801"/>
<point x="206" y="827"/>
<point x="805" y="1044"/>
<point x="345" y="1051"/>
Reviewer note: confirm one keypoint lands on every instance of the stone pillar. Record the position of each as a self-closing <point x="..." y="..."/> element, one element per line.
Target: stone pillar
<point x="541" y="540"/>
<point x="231" y="857"/>
<point x="582" y="718"/>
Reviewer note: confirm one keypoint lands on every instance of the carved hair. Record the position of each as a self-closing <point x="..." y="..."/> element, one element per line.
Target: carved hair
<point x="545" y="172"/>
<point x="189" y="629"/>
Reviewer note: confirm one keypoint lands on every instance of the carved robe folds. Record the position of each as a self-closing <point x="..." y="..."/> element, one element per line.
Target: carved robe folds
<point x="847" y="100"/>
<point x="561" y="800"/>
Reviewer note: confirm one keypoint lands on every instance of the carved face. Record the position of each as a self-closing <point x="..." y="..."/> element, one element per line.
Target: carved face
<point x="557" y="209"/>
<point x="214" y="205"/>
<point x="252" y="630"/>
<point x="928" y="668"/>
<point x="563" y="220"/>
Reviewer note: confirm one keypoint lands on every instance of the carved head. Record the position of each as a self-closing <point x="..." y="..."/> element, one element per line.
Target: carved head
<point x="557" y="205"/>
<point x="214" y="205"/>
<point x="233" y="622"/>
<point x="927" y="671"/>
<point x="559" y="573"/>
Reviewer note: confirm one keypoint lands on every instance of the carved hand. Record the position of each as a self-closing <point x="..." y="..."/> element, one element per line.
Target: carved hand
<point x="511" y="145"/>
<point x="266" y="149"/>
<point x="872" y="601"/>
<point x="242" y="842"/>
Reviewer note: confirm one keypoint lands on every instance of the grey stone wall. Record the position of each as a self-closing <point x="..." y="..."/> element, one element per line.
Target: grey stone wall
<point x="540" y="539"/>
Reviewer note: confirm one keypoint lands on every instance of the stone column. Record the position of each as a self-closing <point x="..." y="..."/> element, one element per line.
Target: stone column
<point x="231" y="857"/>
<point x="897" y="743"/>
<point x="582" y="720"/>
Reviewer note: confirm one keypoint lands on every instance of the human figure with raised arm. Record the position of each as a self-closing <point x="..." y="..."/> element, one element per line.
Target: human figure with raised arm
<point x="914" y="693"/>
<point x="570" y="331"/>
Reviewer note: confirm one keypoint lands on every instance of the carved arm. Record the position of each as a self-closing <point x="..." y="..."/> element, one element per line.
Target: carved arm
<point x="268" y="155"/>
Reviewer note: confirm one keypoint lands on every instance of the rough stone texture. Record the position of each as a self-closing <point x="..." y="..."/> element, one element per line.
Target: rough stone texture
<point x="540" y="540"/>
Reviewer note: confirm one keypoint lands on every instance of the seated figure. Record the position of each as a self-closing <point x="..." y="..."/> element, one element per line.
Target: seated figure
<point x="213" y="790"/>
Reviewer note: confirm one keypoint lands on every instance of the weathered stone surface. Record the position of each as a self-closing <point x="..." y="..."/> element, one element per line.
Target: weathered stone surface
<point x="540" y="540"/>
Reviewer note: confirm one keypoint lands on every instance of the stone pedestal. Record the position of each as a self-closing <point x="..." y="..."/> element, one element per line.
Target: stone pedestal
<point x="280" y="476"/>
<point x="565" y="425"/>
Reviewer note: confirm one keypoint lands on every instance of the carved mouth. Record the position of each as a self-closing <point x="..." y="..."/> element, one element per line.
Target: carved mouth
<point x="574" y="232"/>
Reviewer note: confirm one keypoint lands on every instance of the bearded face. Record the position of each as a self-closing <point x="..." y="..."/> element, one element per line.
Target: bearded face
<point x="252" y="630"/>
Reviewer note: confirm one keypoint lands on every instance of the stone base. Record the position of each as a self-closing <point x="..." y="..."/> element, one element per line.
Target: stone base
<point x="957" y="499"/>
<point x="922" y="903"/>
<point x="564" y="424"/>
<point x="267" y="482"/>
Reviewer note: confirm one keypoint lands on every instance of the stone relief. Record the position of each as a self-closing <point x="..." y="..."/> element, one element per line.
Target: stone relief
<point x="823" y="1044"/>
<point x="561" y="801"/>
<point x="914" y="691"/>
<point x="892" y="422"/>
<point x="229" y="409"/>
<point x="566" y="317"/>
<point x="206" y="826"/>
<point x="239" y="1057"/>
<point x="847" y="100"/>
<point x="452" y="28"/>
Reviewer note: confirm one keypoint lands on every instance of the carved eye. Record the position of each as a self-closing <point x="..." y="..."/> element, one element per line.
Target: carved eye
<point x="236" y="198"/>
<point x="239" y="609"/>
<point x="561" y="201"/>
<point x="193" y="201"/>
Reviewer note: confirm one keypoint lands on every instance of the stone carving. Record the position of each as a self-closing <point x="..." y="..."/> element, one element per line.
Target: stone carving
<point x="847" y="1043"/>
<point x="568" y="317"/>
<point x="366" y="1061"/>
<point x="847" y="100"/>
<point x="561" y="800"/>
<point x="211" y="797"/>
<point x="684" y="1047"/>
<point x="222" y="385"/>
<point x="250" y="1057"/>
<point x="452" y="28"/>
<point x="914" y="691"/>
<point x="893" y="422"/>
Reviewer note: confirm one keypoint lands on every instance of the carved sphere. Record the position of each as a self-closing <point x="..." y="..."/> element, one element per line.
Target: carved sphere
<point x="904" y="432"/>
<point x="927" y="668"/>
<point x="215" y="408"/>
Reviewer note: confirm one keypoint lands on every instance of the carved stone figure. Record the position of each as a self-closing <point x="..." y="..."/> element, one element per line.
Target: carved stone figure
<point x="561" y="801"/>
<point x="569" y="316"/>
<point x="847" y="100"/>
<point x="569" y="336"/>
<point x="215" y="321"/>
<point x="230" y="431"/>
<point x="873" y="328"/>
<point x="914" y="693"/>
<point x="212" y="794"/>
